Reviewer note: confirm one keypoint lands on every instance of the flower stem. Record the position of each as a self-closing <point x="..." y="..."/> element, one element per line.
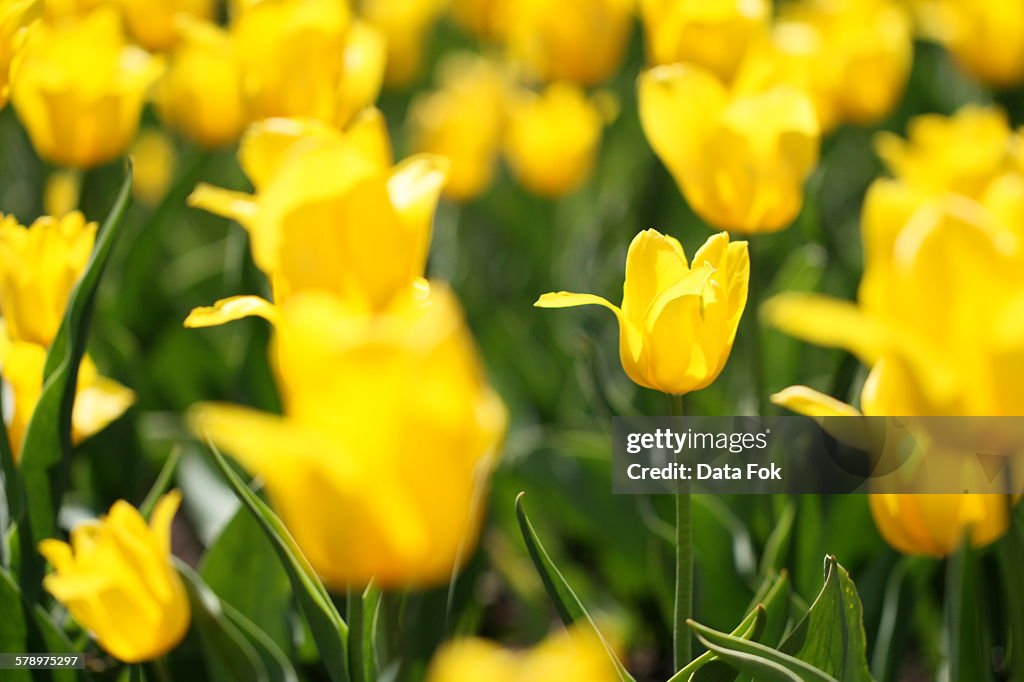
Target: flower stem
<point x="681" y="640"/>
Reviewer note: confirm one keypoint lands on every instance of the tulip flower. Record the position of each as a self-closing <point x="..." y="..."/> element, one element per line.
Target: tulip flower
<point x="713" y="34"/>
<point x="117" y="581"/>
<point x="576" y="40"/>
<point x="15" y="18"/>
<point x="39" y="266"/>
<point x="852" y="57"/>
<point x="678" y="321"/>
<point x="80" y="90"/>
<point x="306" y="58"/>
<point x="153" y="160"/>
<point x="567" y="657"/>
<point x="330" y="213"/>
<point x="152" y="22"/>
<point x="985" y="38"/>
<point x="463" y="121"/>
<point x="739" y="159"/>
<point x="552" y="138"/>
<point x="201" y="93"/>
<point x="405" y="25"/>
<point x="389" y="434"/>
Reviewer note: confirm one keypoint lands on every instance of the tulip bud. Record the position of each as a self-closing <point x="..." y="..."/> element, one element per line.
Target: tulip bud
<point x="117" y="581"/>
<point x="740" y="159"/>
<point x="678" y="321"/>
<point x="152" y="22"/>
<point x="405" y="25"/>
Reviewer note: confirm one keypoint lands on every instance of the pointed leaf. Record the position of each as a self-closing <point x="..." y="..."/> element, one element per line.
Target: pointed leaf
<point x="325" y="623"/>
<point x="757" y="660"/>
<point x="569" y="607"/>
<point x="964" y="625"/>
<point x="749" y="628"/>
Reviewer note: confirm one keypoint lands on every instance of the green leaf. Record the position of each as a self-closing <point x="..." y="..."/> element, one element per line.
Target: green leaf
<point x="757" y="660"/>
<point x="228" y="651"/>
<point x="831" y="636"/>
<point x="749" y="628"/>
<point x="774" y="595"/>
<point x="964" y="629"/>
<point x="279" y="668"/>
<point x="13" y="628"/>
<point x="242" y="568"/>
<point x="1010" y="553"/>
<point x="162" y="483"/>
<point x="361" y="613"/>
<point x="325" y="623"/>
<point x="46" y="448"/>
<point x="569" y="607"/>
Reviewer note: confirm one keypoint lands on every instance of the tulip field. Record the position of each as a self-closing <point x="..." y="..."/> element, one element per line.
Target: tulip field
<point x="315" y="316"/>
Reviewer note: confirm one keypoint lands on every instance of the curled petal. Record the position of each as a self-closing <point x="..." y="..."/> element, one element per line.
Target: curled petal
<point x="231" y="309"/>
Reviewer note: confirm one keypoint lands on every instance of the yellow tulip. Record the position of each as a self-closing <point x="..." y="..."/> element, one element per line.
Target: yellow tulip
<point x="577" y="40"/>
<point x="201" y="93"/>
<point x="330" y="213"/>
<point x="405" y="25"/>
<point x="566" y="657"/>
<point x="678" y="321"/>
<point x="552" y="138"/>
<point x="306" y="58"/>
<point x="80" y="90"/>
<point x="486" y="19"/>
<point x="853" y="58"/>
<point x="39" y="266"/>
<point x="117" y="581"/>
<point x="15" y="18"/>
<point x="462" y="121"/>
<point x="710" y="33"/>
<point x="152" y="22"/>
<point x="986" y="38"/>
<point x="153" y="159"/>
<point x="740" y="159"/>
<point x="379" y="465"/>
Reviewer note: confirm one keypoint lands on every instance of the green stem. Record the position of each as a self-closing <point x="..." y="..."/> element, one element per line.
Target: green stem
<point x="681" y="639"/>
<point x="754" y="299"/>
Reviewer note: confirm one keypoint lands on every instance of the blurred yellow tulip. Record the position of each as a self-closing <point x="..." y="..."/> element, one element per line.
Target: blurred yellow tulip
<point x="117" y="581"/>
<point x="153" y="160"/>
<point x="678" y="321"/>
<point x="486" y="19"/>
<point x="552" y="138"/>
<point x="740" y="159"/>
<point x="380" y="463"/>
<point x="201" y="93"/>
<point x="576" y="40"/>
<point x="851" y="56"/>
<point x="572" y="656"/>
<point x="152" y="22"/>
<point x="330" y="213"/>
<point x="406" y="25"/>
<point x="80" y="90"/>
<point x="462" y="121"/>
<point x="986" y="37"/>
<point x="39" y="266"/>
<point x="710" y="33"/>
<point x="15" y="18"/>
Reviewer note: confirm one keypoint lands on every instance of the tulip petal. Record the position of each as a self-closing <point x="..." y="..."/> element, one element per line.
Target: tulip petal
<point x="830" y="322"/>
<point x="266" y="144"/>
<point x="694" y="284"/>
<point x="566" y="299"/>
<point x="363" y="65"/>
<point x="231" y="309"/>
<point x="162" y="517"/>
<point x="369" y="133"/>
<point x="237" y="206"/>
<point x="98" y="403"/>
<point x="805" y="400"/>
<point x="653" y="263"/>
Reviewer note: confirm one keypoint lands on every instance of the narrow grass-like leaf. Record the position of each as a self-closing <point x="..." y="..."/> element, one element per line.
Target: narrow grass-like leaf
<point x="46" y="448"/>
<point x="774" y="595"/>
<point x="325" y="623"/>
<point x="569" y="607"/>
<point x="162" y="482"/>
<point x="831" y="636"/>
<point x="361" y="614"/>
<point x="964" y="629"/>
<point x="276" y="663"/>
<point x="757" y="660"/>
<point x="749" y="628"/>
<point x="1010" y="553"/>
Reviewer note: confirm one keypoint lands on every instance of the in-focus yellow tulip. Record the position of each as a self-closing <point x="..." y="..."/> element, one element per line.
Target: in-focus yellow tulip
<point x="552" y="138"/>
<point x="80" y="90"/>
<point x="463" y="122"/>
<point x="380" y="463"/>
<point x="39" y="266"/>
<point x="986" y="38"/>
<point x="201" y="93"/>
<point x="710" y="33"/>
<point x="678" y="320"/>
<point x="330" y="213"/>
<point x="152" y="22"/>
<point x="117" y="581"/>
<point x="572" y="656"/>
<point x="406" y="25"/>
<point x="153" y="160"/>
<point x="740" y="159"/>
<point x="15" y="18"/>
<point x="576" y="40"/>
<point x="306" y="58"/>
<point x="852" y="57"/>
